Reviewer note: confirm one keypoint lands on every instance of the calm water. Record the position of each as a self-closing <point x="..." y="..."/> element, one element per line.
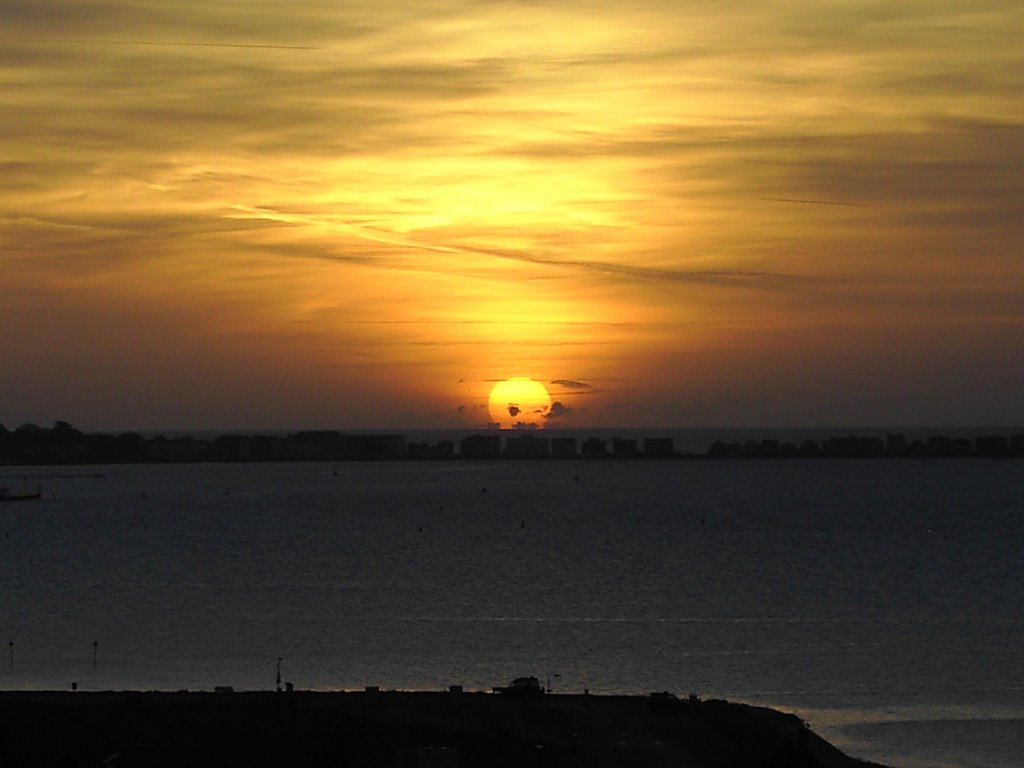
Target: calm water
<point x="883" y="601"/>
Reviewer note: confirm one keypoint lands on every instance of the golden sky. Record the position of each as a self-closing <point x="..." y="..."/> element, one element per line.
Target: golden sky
<point x="231" y="214"/>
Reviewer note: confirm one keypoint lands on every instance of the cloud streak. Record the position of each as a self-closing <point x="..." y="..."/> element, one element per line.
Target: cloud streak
<point x="572" y="384"/>
<point x="174" y="43"/>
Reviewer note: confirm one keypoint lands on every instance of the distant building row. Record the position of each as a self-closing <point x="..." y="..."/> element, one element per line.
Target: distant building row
<point x="63" y="444"/>
<point x="531" y="446"/>
<point x="894" y="446"/>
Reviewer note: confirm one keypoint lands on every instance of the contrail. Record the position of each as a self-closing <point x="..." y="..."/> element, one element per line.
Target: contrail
<point x="738" y="278"/>
<point x="817" y="202"/>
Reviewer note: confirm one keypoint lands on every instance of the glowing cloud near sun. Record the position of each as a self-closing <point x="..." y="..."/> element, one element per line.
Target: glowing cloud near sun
<point x="519" y="402"/>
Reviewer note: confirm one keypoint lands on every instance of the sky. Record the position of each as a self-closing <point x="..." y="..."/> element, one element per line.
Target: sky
<point x="227" y="214"/>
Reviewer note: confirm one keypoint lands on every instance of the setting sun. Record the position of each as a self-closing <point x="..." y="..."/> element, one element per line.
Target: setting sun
<point x="519" y="402"/>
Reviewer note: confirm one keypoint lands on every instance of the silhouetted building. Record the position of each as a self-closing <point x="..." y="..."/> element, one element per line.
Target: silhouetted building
<point x="267" y="448"/>
<point x="179" y="449"/>
<point x="418" y="450"/>
<point x="375" y="447"/>
<point x="961" y="446"/>
<point x="809" y="449"/>
<point x="334" y="446"/>
<point x="527" y="447"/>
<point x="228" y="448"/>
<point x="991" y="446"/>
<point x="314" y="445"/>
<point x="522" y="686"/>
<point x="659" y="447"/>
<point x="853" y="447"/>
<point x="563" y="447"/>
<point x="722" y="450"/>
<point x="624" y="447"/>
<point x="480" y="447"/>
<point x="593" y="448"/>
<point x="917" y="449"/>
<point x="895" y="445"/>
<point x="444" y="449"/>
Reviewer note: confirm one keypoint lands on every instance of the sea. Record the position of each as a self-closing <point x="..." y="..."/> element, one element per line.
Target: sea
<point x="880" y="600"/>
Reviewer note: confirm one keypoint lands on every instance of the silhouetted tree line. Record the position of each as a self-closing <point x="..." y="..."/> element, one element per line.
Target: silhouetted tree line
<point x="30" y="444"/>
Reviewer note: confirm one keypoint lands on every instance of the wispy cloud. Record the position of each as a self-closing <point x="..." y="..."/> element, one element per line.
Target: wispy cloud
<point x="571" y="384"/>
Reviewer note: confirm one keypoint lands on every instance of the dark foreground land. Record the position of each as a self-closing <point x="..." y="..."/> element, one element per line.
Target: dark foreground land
<point x="400" y="730"/>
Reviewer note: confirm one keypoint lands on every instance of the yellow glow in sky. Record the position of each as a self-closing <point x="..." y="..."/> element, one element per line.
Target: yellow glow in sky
<point x="245" y="215"/>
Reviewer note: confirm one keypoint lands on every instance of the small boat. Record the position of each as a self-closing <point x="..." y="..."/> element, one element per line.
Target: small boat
<point x="6" y="495"/>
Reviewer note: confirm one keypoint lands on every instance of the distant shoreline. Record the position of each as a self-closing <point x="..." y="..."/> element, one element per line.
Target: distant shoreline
<point x="62" y="444"/>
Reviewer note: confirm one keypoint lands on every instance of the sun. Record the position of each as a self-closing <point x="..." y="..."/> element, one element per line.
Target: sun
<point x="519" y="402"/>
